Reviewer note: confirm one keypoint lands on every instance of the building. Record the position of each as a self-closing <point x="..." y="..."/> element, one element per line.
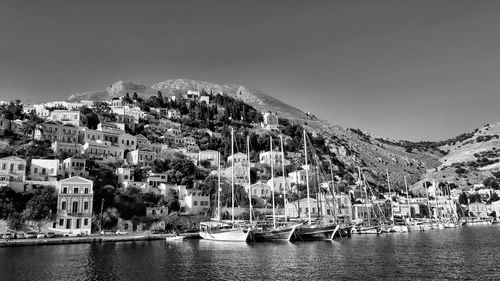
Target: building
<point x="73" y="166"/>
<point x="12" y="169"/>
<point x="193" y="201"/>
<point x="69" y="148"/>
<point x="124" y="175"/>
<point x="156" y="211"/>
<point x="297" y="177"/>
<point x="208" y="155"/>
<point x="265" y="158"/>
<point x="270" y="118"/>
<point x="141" y="157"/>
<point x="278" y="184"/>
<point x="127" y="141"/>
<point x="175" y="131"/>
<point x="240" y="174"/>
<point x="239" y="158"/>
<point x="142" y="141"/>
<point x="44" y="169"/>
<point x="173" y="114"/>
<point x="191" y="94"/>
<point x="74" y="205"/>
<point x="189" y="141"/>
<point x="53" y="131"/>
<point x="259" y="189"/>
<point x="66" y="117"/>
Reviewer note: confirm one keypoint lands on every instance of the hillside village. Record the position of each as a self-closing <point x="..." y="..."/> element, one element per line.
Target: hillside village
<point x="87" y="165"/>
<point x="127" y="157"/>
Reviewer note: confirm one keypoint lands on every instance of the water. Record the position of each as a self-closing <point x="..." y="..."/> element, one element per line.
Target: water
<point x="462" y="253"/>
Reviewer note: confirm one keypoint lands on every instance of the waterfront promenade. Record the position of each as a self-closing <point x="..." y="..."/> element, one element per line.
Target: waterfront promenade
<point x="79" y="240"/>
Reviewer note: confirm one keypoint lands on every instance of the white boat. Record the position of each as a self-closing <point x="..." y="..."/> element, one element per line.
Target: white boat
<point x="174" y="237"/>
<point x="220" y="231"/>
<point x="400" y="228"/>
<point x="450" y="225"/>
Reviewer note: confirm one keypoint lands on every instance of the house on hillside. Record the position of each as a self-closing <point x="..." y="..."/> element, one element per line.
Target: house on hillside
<point x="74" y="205"/>
<point x="66" y="117"/>
<point x="44" y="169"/>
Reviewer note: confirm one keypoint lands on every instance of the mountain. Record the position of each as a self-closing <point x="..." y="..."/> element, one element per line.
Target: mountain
<point x="353" y="147"/>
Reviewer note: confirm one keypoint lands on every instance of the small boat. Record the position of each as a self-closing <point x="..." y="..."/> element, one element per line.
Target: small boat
<point x="174" y="237"/>
<point x="450" y="225"/>
<point x="400" y="228"/>
<point x="366" y="230"/>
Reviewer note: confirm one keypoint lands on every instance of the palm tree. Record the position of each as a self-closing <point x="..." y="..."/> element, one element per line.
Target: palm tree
<point x="33" y="123"/>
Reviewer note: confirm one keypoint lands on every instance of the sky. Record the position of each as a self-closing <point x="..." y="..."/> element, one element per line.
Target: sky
<point x="414" y="70"/>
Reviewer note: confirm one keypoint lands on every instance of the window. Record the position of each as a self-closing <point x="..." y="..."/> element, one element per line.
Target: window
<point x="20" y="167"/>
<point x="61" y="222"/>
<point x="75" y="190"/>
<point x="65" y="190"/>
<point x="86" y="190"/>
<point x="3" y="166"/>
<point x="63" y="205"/>
<point x="195" y="203"/>
<point x="85" y="205"/>
<point x="35" y="170"/>
<point x="85" y="221"/>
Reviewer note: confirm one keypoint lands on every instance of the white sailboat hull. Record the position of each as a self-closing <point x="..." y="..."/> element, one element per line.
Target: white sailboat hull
<point x="232" y="235"/>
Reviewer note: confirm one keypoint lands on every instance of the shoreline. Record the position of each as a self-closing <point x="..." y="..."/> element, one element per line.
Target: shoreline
<point x="79" y="240"/>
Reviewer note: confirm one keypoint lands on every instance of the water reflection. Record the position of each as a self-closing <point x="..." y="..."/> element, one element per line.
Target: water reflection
<point x="448" y="254"/>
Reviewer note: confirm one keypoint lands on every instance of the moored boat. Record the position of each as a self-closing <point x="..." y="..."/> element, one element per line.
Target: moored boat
<point x="174" y="237"/>
<point x="284" y="233"/>
<point x="220" y="231"/>
<point x="317" y="232"/>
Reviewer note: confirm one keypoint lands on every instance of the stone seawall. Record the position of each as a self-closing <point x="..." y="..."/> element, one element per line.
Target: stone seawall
<point x="78" y="240"/>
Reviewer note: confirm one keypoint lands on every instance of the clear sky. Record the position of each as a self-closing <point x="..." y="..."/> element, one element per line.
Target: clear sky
<point x="418" y="70"/>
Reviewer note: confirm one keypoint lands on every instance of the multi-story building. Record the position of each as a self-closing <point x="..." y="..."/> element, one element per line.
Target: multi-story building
<point x="73" y="166"/>
<point x="74" y="205"/>
<point x="194" y="202"/>
<point x="209" y="155"/>
<point x="66" y="117"/>
<point x="102" y="151"/>
<point x="142" y="157"/>
<point x="127" y="141"/>
<point x="12" y="169"/>
<point x="297" y="177"/>
<point x="239" y="158"/>
<point x="173" y="114"/>
<point x="240" y="174"/>
<point x="69" y="148"/>
<point x="189" y="141"/>
<point x="124" y="175"/>
<point x="44" y="169"/>
<point x="259" y="189"/>
<point x="142" y="141"/>
<point x="265" y="158"/>
<point x="279" y="184"/>
<point x="53" y="131"/>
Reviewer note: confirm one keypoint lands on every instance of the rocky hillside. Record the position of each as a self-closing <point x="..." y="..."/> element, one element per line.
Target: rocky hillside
<point x="353" y="147"/>
<point x="470" y="158"/>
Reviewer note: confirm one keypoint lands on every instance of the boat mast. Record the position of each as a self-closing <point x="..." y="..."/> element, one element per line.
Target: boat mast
<point x="334" y="211"/>
<point x="249" y="178"/>
<point x="232" y="175"/>
<point x="283" y="174"/>
<point x="218" y="188"/>
<point x="369" y="211"/>
<point x="436" y="198"/>
<point x="408" y="198"/>
<point x="307" y="179"/>
<point x="390" y="194"/>
<point x="427" y="195"/>
<point x="272" y="179"/>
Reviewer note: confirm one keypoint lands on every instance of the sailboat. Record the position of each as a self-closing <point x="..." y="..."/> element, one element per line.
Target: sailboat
<point x="316" y="230"/>
<point x="217" y="230"/>
<point x="275" y="231"/>
<point x="366" y="227"/>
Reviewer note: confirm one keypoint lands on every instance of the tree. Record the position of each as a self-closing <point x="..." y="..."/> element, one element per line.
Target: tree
<point x="491" y="182"/>
<point x="494" y="197"/>
<point x="462" y="199"/>
<point x="39" y="207"/>
<point x="33" y="124"/>
<point x="135" y="97"/>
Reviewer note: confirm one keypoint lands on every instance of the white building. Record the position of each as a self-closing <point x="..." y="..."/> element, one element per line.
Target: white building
<point x="44" y="169"/>
<point x="127" y="141"/>
<point x="66" y="117"/>
<point x="259" y="189"/>
<point x="193" y="201"/>
<point x="141" y="157"/>
<point x="239" y="158"/>
<point x="12" y="169"/>
<point x="70" y="148"/>
<point x="265" y="158"/>
<point x="74" y="205"/>
<point x="73" y="166"/>
<point x="209" y="155"/>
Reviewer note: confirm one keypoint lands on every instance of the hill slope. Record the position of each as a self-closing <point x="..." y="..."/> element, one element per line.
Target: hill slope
<point x="353" y="147"/>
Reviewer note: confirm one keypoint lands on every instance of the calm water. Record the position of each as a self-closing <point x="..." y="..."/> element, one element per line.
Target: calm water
<point x="463" y="253"/>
